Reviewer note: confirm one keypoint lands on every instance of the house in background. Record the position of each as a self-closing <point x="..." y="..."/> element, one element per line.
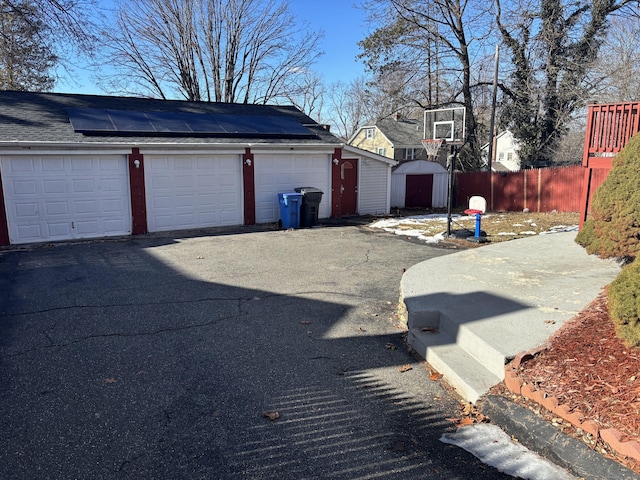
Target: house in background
<point x="506" y="154"/>
<point x="394" y="137"/>
<point x="89" y="166"/>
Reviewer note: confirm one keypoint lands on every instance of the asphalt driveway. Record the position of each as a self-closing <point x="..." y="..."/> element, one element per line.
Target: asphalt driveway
<point x="157" y="358"/>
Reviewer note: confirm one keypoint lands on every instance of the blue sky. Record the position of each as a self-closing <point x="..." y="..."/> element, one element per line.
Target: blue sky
<point x="343" y="26"/>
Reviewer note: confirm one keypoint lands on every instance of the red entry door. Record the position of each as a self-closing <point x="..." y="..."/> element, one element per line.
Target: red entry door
<point x="348" y="187"/>
<point x="419" y="191"/>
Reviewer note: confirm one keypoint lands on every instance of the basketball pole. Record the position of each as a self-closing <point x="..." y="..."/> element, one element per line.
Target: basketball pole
<point x="452" y="160"/>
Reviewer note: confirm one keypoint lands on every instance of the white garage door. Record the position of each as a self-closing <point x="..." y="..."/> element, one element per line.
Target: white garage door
<point x="65" y="197"/>
<point x="192" y="191"/>
<point x="283" y="173"/>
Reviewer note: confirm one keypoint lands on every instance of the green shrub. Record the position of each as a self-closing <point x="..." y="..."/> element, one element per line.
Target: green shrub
<point x="624" y="304"/>
<point x="587" y="236"/>
<point x="613" y="229"/>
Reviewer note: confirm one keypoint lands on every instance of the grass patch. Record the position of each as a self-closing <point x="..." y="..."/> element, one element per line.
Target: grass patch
<point x="499" y="227"/>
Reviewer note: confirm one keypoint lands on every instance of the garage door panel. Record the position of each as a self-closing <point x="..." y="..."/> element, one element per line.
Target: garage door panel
<point x="54" y="186"/>
<point x="59" y="231"/>
<point x="56" y="208"/>
<point x="65" y="197"/>
<point x="16" y="166"/>
<point x="83" y="186"/>
<point x="193" y="191"/>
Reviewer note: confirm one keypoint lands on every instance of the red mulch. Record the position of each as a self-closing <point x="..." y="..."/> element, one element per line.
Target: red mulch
<point x="587" y="367"/>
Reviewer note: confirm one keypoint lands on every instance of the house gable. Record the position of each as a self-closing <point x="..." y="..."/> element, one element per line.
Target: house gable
<point x="400" y="138"/>
<point x="372" y="139"/>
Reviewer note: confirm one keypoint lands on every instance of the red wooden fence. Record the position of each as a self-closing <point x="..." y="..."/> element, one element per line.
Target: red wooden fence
<point x="565" y="189"/>
<point x="539" y="190"/>
<point x="609" y="128"/>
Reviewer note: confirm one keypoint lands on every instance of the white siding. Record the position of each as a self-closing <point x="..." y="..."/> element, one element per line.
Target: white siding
<point x="281" y="173"/>
<point x="420" y="167"/>
<point x="373" y="188"/>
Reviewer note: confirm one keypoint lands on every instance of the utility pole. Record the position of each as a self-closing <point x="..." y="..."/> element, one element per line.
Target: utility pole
<point x="492" y="125"/>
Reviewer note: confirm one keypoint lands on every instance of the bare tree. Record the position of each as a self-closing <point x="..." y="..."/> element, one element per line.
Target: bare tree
<point x="553" y="45"/>
<point x="436" y="42"/>
<point x="348" y="106"/>
<point x="42" y="36"/>
<point x="213" y="50"/>
<point x="307" y="92"/>
<point x="68" y="20"/>
<point x="615" y="76"/>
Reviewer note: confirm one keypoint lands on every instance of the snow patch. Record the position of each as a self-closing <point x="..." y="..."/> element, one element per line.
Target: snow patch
<point x="495" y="448"/>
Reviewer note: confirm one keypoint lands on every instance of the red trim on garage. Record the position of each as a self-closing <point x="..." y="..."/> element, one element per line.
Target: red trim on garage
<point x="336" y="198"/>
<point x="249" y="189"/>
<point x="137" y="192"/>
<point x="4" y="224"/>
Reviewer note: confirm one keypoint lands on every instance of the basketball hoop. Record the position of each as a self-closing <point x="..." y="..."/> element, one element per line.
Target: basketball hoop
<point x="432" y="146"/>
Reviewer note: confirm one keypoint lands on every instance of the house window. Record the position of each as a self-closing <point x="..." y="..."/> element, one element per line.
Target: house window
<point x="410" y="153"/>
<point x="501" y="157"/>
<point x="370" y="133"/>
<point x="509" y="156"/>
<point x="381" y="151"/>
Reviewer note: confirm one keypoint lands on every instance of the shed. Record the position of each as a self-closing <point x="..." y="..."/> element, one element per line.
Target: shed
<point x="419" y="184"/>
<point x="89" y="166"/>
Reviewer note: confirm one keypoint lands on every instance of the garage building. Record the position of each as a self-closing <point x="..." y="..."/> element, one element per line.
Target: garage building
<point x="85" y="166"/>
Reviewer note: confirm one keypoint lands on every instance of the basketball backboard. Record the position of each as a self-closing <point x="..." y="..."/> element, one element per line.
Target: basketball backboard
<point x="445" y="123"/>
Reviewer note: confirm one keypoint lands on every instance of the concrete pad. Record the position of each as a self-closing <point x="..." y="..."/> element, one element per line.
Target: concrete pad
<point x="501" y="299"/>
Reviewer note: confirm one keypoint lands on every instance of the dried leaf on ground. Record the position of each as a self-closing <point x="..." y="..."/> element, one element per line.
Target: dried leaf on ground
<point x="390" y="346"/>
<point x="430" y="329"/>
<point x="405" y="368"/>
<point x="271" y="414"/>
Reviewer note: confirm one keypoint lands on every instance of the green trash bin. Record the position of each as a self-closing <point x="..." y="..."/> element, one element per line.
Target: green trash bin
<point x="311" y="198"/>
<point x="290" y="203"/>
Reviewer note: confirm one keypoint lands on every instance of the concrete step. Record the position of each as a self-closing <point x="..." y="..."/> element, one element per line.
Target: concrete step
<point x="469" y="335"/>
<point x="460" y="369"/>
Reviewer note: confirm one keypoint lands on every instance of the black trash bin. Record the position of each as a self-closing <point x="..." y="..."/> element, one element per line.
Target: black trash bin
<point x="311" y="198"/>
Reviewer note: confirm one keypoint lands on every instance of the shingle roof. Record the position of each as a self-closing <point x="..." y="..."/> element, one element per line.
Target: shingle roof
<point x="42" y="118"/>
<point x="402" y="132"/>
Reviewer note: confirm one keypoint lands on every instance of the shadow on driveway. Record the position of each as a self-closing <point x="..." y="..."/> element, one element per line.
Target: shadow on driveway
<point x="156" y="358"/>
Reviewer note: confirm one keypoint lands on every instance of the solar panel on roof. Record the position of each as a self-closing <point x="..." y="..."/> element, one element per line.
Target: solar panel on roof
<point x="184" y="123"/>
<point x="90" y="119"/>
<point x="168" y="122"/>
<point x="202" y="123"/>
<point x="130" y="121"/>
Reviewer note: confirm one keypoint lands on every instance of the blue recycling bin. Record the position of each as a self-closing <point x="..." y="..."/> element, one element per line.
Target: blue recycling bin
<point x="290" y="203"/>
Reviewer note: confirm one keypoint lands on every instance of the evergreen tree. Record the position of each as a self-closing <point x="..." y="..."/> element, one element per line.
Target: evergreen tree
<point x="26" y="59"/>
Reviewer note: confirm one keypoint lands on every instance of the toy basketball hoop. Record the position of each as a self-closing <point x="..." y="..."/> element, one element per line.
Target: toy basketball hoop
<point x="432" y="146"/>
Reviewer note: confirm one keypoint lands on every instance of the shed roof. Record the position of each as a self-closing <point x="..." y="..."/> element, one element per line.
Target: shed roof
<point x="44" y="117"/>
<point x="417" y="167"/>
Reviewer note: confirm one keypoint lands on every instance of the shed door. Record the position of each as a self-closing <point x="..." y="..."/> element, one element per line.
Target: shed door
<point x="64" y="197"/>
<point x="419" y="191"/>
<point x="192" y="191"/>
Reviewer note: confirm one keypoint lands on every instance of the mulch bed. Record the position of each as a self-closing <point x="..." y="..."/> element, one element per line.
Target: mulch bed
<point x="587" y="367"/>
